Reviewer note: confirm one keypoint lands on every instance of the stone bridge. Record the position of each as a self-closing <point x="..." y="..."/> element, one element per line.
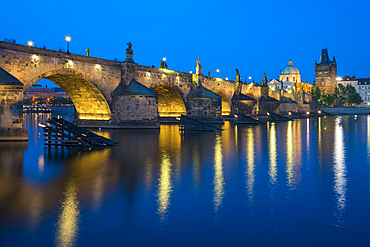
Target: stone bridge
<point x="119" y="94"/>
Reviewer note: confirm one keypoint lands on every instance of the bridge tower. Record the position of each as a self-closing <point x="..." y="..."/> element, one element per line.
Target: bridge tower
<point x="326" y="72"/>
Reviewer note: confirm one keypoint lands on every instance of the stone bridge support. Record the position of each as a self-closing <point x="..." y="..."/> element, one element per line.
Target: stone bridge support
<point x="11" y="108"/>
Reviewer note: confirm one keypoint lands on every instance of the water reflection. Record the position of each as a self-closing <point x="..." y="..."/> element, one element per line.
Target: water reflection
<point x="218" y="180"/>
<point x="67" y="226"/>
<point x="340" y="170"/>
<point x="164" y="186"/>
<point x="250" y="164"/>
<point x="273" y="154"/>
<point x="289" y="154"/>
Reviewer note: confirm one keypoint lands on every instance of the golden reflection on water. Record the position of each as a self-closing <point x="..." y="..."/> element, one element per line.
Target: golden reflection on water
<point x="67" y="226"/>
<point x="273" y="154"/>
<point x="289" y="154"/>
<point x="164" y="186"/>
<point x="218" y="180"/>
<point x="340" y="170"/>
<point x="250" y="159"/>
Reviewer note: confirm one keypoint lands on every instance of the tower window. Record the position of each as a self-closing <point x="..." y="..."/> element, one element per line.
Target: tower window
<point x="287" y="78"/>
<point x="293" y="78"/>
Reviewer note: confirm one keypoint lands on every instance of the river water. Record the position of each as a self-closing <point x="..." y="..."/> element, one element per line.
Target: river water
<point x="299" y="183"/>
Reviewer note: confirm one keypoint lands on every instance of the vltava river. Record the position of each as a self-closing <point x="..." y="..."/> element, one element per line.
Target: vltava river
<point x="298" y="183"/>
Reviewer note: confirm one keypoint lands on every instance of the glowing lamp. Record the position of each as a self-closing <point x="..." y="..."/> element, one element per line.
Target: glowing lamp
<point x="308" y="113"/>
<point x="319" y="112"/>
<point x="339" y="78"/>
<point x="290" y="113"/>
<point x="268" y="114"/>
<point x="191" y="72"/>
<point x="30" y="43"/>
<point x="68" y="39"/>
<point x="236" y="116"/>
<point x="164" y="59"/>
<point x="98" y="67"/>
<point x="227" y="78"/>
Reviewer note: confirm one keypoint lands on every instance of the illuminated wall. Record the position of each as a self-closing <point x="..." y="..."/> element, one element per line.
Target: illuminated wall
<point x="170" y="102"/>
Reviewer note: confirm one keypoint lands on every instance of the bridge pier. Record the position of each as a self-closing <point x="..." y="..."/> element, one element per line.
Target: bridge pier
<point x="11" y="108"/>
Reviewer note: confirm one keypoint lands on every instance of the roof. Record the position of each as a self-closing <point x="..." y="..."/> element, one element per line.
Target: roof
<point x="286" y="100"/>
<point x="324" y="58"/>
<point x="7" y="79"/>
<point x="289" y="69"/>
<point x="242" y="97"/>
<point x="133" y="88"/>
<point x="202" y="92"/>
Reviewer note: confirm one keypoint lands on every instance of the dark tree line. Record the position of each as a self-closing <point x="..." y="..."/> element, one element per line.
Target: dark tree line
<point x="343" y="95"/>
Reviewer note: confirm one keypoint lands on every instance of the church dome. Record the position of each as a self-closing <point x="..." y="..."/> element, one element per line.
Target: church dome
<point x="290" y="69"/>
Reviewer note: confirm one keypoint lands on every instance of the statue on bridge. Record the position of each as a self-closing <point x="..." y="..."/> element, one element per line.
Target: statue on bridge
<point x="87" y="52"/>
<point x="237" y="88"/>
<point x="264" y="80"/>
<point x="129" y="53"/>
<point x="199" y="67"/>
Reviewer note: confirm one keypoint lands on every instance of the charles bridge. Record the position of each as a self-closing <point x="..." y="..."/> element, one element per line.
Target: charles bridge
<point x="128" y="95"/>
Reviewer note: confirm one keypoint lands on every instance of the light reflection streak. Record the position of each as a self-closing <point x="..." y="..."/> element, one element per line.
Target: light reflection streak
<point x="165" y="186"/>
<point x="289" y="154"/>
<point x="41" y="163"/>
<point x="308" y="134"/>
<point x="340" y="170"/>
<point x="218" y="180"/>
<point x="272" y="148"/>
<point x="67" y="226"/>
<point x="250" y="158"/>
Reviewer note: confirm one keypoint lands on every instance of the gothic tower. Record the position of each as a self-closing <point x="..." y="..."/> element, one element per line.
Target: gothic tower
<point x="326" y="72"/>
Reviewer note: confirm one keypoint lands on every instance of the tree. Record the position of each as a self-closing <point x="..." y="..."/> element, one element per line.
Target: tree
<point x="346" y="95"/>
<point x="316" y="93"/>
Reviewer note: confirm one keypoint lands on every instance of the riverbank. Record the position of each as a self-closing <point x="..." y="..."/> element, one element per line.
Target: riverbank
<point x="347" y="110"/>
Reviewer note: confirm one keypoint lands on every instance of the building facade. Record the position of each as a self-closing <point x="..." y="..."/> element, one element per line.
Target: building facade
<point x="362" y="86"/>
<point x="326" y="72"/>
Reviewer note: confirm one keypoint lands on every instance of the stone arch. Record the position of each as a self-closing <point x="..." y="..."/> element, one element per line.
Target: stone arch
<point x="88" y="97"/>
<point x="226" y="104"/>
<point x="171" y="102"/>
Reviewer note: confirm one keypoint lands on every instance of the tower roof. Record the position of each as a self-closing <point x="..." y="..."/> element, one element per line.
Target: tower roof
<point x="8" y="79"/>
<point x="324" y="58"/>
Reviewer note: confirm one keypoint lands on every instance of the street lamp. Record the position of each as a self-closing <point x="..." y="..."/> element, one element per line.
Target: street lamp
<point x="250" y="78"/>
<point x="68" y="39"/>
<point x="30" y="43"/>
<point x="217" y="70"/>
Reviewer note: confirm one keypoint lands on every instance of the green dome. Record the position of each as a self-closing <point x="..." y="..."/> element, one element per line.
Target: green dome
<point x="290" y="69"/>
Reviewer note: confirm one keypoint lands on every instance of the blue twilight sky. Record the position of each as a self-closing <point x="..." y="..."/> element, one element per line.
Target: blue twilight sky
<point x="253" y="36"/>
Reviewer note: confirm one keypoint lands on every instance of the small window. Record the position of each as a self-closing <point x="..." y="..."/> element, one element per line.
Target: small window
<point x="293" y="78"/>
<point x="287" y="78"/>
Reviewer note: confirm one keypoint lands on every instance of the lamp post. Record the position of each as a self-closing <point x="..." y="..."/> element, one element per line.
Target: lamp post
<point x="217" y="70"/>
<point x="68" y="39"/>
<point x="250" y="79"/>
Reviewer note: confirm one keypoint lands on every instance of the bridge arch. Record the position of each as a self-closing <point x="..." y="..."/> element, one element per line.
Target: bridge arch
<point x="88" y="97"/>
<point x="226" y="103"/>
<point x="171" y="102"/>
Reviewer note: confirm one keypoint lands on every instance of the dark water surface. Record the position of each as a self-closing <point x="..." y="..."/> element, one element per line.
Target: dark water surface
<point x="297" y="183"/>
